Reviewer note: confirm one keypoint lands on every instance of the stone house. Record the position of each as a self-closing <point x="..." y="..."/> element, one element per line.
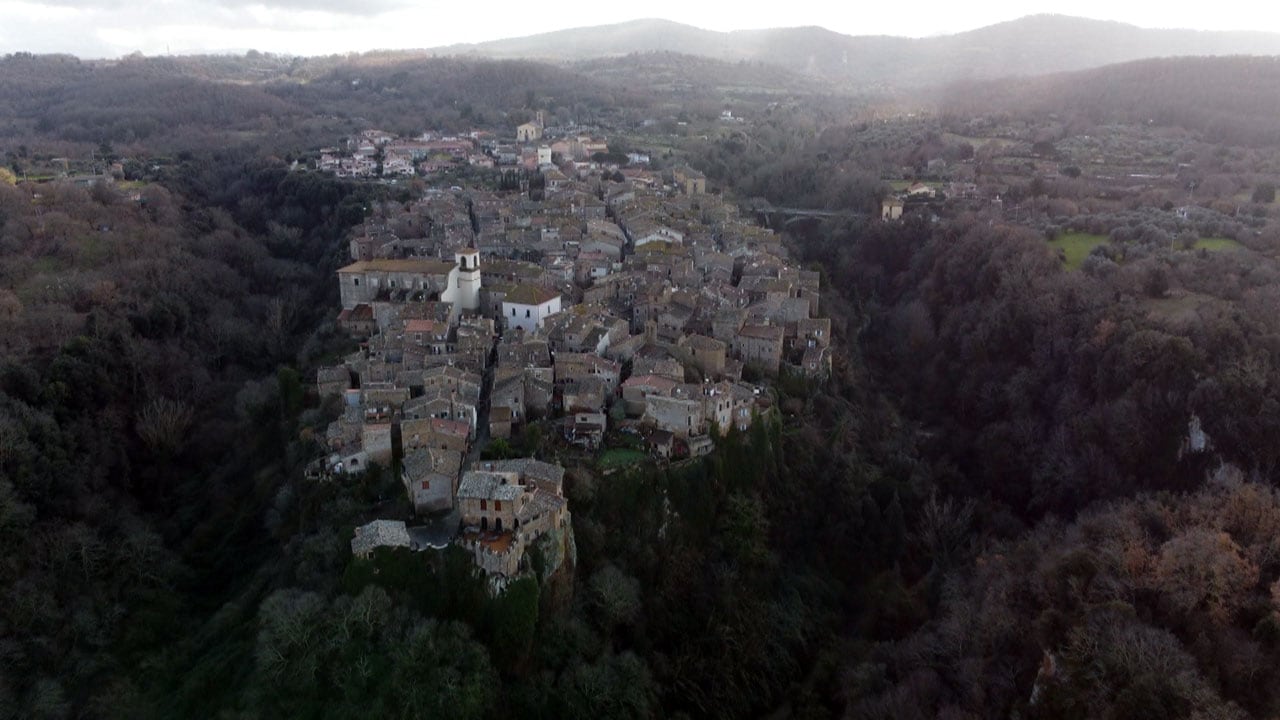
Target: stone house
<point x="760" y="346"/>
<point x="727" y="323"/>
<point x="383" y="394"/>
<point x="891" y="208"/>
<point x="529" y="132"/>
<point x="508" y="393"/>
<point x="586" y="429"/>
<point x="445" y="404"/>
<point x="379" y="533"/>
<point x="500" y="421"/>
<point x="637" y="389"/>
<point x="643" y="233"/>
<point x="437" y="433"/>
<point x="814" y="332"/>
<point x="358" y="321"/>
<point x="586" y="394"/>
<point x="816" y="362"/>
<point x="681" y="413"/>
<point x="375" y="440"/>
<point x="690" y="181"/>
<point x="708" y="354"/>
<point x="573" y="367"/>
<point x="662" y="443"/>
<point x="429" y="476"/>
<point x="489" y="500"/>
<point x="431" y="335"/>
<point x="333" y="380"/>
<point x="505" y="507"/>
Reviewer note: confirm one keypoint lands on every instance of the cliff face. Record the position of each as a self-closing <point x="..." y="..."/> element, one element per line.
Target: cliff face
<point x="559" y="553"/>
<point x="552" y="560"/>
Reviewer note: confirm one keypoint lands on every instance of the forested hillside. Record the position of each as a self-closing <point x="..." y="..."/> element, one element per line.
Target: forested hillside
<point x="157" y="106"/>
<point x="150" y="413"/>
<point x="1229" y="99"/>
<point x="1042" y="392"/>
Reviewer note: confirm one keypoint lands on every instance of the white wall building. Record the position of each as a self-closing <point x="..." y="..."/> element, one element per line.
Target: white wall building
<point x="527" y="306"/>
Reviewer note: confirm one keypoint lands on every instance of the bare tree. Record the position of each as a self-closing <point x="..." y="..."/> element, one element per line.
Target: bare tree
<point x="163" y="424"/>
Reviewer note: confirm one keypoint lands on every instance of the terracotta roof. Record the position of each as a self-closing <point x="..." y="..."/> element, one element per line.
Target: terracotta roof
<point x="359" y="313"/>
<point x="424" y="326"/>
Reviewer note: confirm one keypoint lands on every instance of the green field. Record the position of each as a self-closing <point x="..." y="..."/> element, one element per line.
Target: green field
<point x="1217" y="244"/>
<point x="620" y="458"/>
<point x="1077" y="246"/>
<point x="902" y="185"/>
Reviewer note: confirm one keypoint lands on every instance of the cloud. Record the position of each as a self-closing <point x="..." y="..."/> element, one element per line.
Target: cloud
<point x="108" y="28"/>
<point x="338" y="7"/>
<point x="364" y="8"/>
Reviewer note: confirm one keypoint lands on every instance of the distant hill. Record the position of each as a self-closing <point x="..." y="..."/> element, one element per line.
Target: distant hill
<point x="1227" y="99"/>
<point x="677" y="75"/>
<point x="1033" y="45"/>
<point x="166" y="104"/>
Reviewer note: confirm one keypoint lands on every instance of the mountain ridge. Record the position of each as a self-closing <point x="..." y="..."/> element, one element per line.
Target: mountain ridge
<point x="1031" y="45"/>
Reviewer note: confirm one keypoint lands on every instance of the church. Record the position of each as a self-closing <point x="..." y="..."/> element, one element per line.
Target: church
<point x="407" y="280"/>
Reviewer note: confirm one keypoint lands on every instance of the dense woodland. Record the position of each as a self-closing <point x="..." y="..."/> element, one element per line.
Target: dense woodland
<point x="995" y="507"/>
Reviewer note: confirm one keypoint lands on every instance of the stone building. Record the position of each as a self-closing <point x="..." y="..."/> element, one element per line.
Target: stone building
<point x="505" y="507"/>
<point x="458" y="283"/>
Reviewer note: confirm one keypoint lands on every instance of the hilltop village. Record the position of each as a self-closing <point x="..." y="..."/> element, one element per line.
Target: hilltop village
<point x="583" y="299"/>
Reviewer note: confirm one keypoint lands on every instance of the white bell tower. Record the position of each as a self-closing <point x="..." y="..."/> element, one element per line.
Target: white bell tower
<point x="468" y="260"/>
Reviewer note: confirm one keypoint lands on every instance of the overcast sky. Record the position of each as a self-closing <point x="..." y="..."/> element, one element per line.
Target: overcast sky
<point x="108" y="28"/>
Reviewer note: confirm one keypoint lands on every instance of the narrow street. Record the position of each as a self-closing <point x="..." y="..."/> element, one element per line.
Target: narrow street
<point x="482" y="412"/>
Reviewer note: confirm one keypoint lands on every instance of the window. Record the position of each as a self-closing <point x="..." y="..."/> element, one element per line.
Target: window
<point x="426" y="484"/>
<point x="484" y="504"/>
<point x="497" y="504"/>
<point x="513" y="312"/>
<point x="526" y="313"/>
